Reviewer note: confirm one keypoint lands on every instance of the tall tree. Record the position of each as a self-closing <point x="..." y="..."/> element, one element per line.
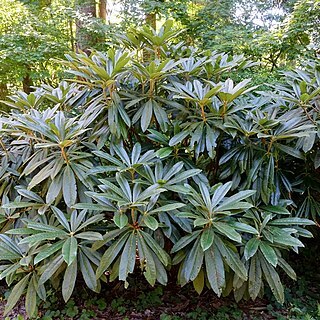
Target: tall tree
<point x="86" y="10"/>
<point x="29" y="37"/>
<point x="103" y="10"/>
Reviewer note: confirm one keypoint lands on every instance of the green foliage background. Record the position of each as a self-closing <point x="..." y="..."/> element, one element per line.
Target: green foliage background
<point x="32" y="32"/>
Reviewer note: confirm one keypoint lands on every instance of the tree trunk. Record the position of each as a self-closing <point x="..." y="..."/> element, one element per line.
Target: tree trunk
<point x="4" y="92"/>
<point x="27" y="83"/>
<point x="87" y="10"/>
<point x="151" y="20"/>
<point x="103" y="10"/>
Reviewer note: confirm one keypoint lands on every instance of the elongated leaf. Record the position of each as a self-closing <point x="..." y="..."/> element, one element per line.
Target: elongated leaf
<point x="198" y="282"/>
<point x="215" y="270"/>
<point x="42" y="237"/>
<point x="30" y="195"/>
<point x="87" y="271"/>
<point x="243" y="227"/>
<point x="10" y="244"/>
<point x="231" y="258"/>
<point x="69" y="280"/>
<point x="255" y="278"/>
<point x="184" y="241"/>
<point x="17" y="205"/>
<point x="16" y="293"/>
<point x="44" y="227"/>
<point x="228" y="231"/>
<point x="111" y="254"/>
<point x="207" y="238"/>
<point x="155" y="247"/>
<point x="31" y="299"/>
<point x="43" y="174"/>
<point x="268" y="253"/>
<point x="184" y="176"/>
<point x="43" y="254"/>
<point x="220" y="193"/>
<point x="251" y="248"/>
<point x="94" y="207"/>
<point x="231" y="203"/>
<point x="178" y="138"/>
<point x="54" y="189"/>
<point x="147" y="260"/>
<point x="146" y="115"/>
<point x="69" y="187"/>
<point x="51" y="268"/>
<point x="69" y="250"/>
<point x="108" y="237"/>
<point x="61" y="218"/>
<point x="292" y="221"/>
<point x="193" y="263"/>
<point x="128" y="257"/>
<point x="273" y="280"/>
<point x="151" y="222"/>
<point x="94" y="219"/>
<point x="284" y="265"/>
<point x="89" y="235"/>
<point x="168" y="207"/>
<point x="276" y="209"/>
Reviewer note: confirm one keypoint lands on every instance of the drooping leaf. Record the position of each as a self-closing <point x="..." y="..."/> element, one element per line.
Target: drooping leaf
<point x="16" y="293"/>
<point x="69" y="280"/>
<point x="69" y="250"/>
<point x="69" y="187"/>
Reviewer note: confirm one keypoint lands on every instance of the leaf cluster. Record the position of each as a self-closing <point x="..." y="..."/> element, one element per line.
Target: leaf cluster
<point x="150" y="166"/>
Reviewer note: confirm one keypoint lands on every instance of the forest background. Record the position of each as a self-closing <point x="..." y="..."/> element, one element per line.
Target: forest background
<point x="278" y="34"/>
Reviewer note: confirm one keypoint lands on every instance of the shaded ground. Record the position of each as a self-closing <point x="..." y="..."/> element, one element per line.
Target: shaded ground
<point x="140" y="301"/>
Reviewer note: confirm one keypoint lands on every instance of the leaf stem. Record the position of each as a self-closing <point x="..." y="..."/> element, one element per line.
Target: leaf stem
<point x="64" y="155"/>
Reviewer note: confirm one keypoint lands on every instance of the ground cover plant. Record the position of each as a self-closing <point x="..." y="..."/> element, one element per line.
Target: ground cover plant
<point x="151" y="160"/>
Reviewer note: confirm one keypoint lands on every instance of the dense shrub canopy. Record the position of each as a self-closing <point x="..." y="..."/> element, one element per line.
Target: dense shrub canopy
<point x="154" y="159"/>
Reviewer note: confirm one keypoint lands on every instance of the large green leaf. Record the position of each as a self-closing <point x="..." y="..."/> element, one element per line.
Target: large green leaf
<point x="31" y="298"/>
<point x="215" y="269"/>
<point x="160" y="253"/>
<point x="111" y="254"/>
<point x="228" y="231"/>
<point x="47" y="252"/>
<point x="233" y="202"/>
<point x="69" y="187"/>
<point x="255" y="277"/>
<point x="16" y="293"/>
<point x="251" y="248"/>
<point x="87" y="271"/>
<point x="273" y="280"/>
<point x="207" y="238"/>
<point x="269" y="253"/>
<point x="151" y="222"/>
<point x="231" y="258"/>
<point x="128" y="257"/>
<point x="147" y="261"/>
<point x="51" y="268"/>
<point x="193" y="262"/>
<point x="69" y="250"/>
<point x="184" y="241"/>
<point x="69" y="280"/>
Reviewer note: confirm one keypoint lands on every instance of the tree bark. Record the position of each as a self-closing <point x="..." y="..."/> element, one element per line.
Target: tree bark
<point x="3" y="91"/>
<point x="27" y="83"/>
<point x="87" y="10"/>
<point x="151" y="20"/>
<point x="103" y="10"/>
